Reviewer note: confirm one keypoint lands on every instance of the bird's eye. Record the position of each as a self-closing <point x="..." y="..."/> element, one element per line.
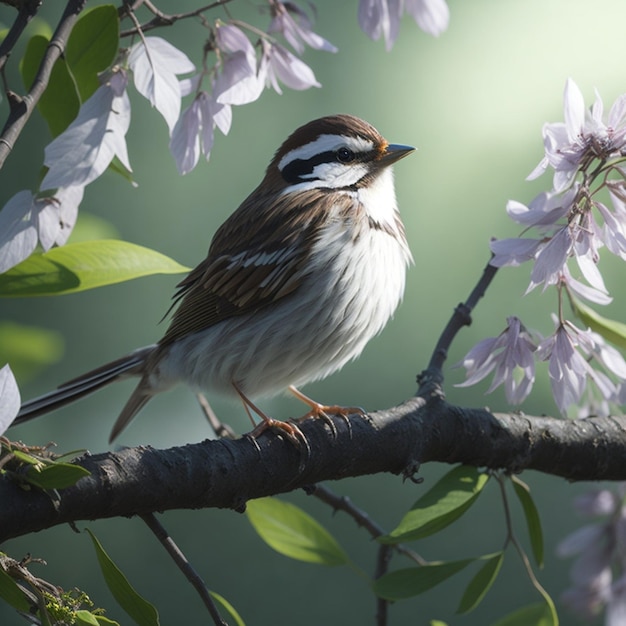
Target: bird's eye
<point x="344" y="155"/>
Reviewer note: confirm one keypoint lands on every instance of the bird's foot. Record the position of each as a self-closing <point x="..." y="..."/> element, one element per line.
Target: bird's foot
<point x="324" y="411"/>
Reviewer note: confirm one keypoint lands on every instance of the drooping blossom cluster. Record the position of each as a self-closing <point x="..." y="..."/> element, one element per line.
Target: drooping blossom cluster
<point x="240" y="74"/>
<point x="584" y="212"/>
<point x="382" y="17"/>
<point x="598" y="573"/>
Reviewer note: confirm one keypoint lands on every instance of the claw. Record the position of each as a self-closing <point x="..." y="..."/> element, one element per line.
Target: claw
<point x="324" y="411"/>
<point x="289" y="430"/>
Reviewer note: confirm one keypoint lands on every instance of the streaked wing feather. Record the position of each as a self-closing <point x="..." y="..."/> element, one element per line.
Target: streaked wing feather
<point x="258" y="256"/>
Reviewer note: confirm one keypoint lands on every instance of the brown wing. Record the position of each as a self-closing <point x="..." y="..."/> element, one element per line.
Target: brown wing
<point x="257" y="256"/>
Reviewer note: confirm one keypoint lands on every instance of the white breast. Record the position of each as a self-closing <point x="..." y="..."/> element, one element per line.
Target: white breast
<point x="353" y="287"/>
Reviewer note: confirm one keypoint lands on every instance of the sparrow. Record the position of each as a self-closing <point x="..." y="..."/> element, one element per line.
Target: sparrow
<point x="297" y="280"/>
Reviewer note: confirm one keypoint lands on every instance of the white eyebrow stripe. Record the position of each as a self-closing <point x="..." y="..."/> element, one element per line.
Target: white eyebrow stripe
<point x="325" y="143"/>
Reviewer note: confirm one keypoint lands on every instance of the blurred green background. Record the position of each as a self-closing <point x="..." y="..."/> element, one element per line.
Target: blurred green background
<point x="473" y="102"/>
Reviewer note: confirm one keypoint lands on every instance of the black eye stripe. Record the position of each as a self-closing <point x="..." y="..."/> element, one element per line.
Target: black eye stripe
<point x="298" y="168"/>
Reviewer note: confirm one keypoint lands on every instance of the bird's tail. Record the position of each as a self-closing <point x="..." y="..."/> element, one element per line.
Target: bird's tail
<point x="129" y="365"/>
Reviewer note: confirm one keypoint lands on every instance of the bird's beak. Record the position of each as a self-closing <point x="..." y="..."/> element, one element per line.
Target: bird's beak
<point x="394" y="152"/>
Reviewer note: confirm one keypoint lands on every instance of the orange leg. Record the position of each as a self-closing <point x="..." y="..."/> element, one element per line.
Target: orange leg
<point x="324" y="411"/>
<point x="290" y="430"/>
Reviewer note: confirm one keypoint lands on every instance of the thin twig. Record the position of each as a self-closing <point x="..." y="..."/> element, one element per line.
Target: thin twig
<point x="163" y="19"/>
<point x="511" y="538"/>
<point x="27" y="10"/>
<point x="461" y="317"/>
<point x="343" y="503"/>
<point x="23" y="107"/>
<point x="183" y="565"/>
<point x="382" y="565"/>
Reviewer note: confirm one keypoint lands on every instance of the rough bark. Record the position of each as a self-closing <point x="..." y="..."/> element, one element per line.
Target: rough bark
<point x="227" y="473"/>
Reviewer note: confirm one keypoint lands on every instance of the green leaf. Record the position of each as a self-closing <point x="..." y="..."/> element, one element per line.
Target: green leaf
<point x="532" y="518"/>
<point x="436" y="622"/>
<point x="540" y="614"/>
<point x="11" y="593"/>
<point x="481" y="583"/>
<point x="84" y="265"/>
<point x="92" y="47"/>
<point x="292" y="532"/>
<point x="59" y="103"/>
<point x="28" y="348"/>
<point x="91" y="227"/>
<point x="26" y="458"/>
<point x="228" y="607"/>
<point x="55" y="475"/>
<point x="448" y="499"/>
<point x="611" y="330"/>
<point x="105" y="621"/>
<point x="140" y="610"/>
<point x="85" y="617"/>
<point x="89" y="619"/>
<point x="411" y="581"/>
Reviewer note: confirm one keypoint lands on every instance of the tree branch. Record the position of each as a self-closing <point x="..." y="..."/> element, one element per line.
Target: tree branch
<point x="26" y="11"/>
<point x="183" y="565"/>
<point x="22" y="107"/>
<point x="461" y="317"/>
<point x="226" y="474"/>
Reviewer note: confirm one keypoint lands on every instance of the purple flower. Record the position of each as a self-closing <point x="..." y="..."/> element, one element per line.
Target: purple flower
<point x="513" y="251"/>
<point x="382" y="17"/>
<point x="544" y="211"/>
<point x="238" y="81"/>
<point x="279" y="64"/>
<point x="569" y="229"/>
<point x="599" y="296"/>
<point x="194" y="131"/>
<point x="613" y="231"/>
<point x="569" y="353"/>
<point x="293" y="23"/>
<point x="510" y="356"/>
<point x="432" y="16"/>
<point x="583" y="136"/>
<point x="600" y="552"/>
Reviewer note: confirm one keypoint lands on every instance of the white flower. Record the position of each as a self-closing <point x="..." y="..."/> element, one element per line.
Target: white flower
<point x="82" y="152"/>
<point x="155" y="64"/>
<point x="26" y="219"/>
<point x="9" y="398"/>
